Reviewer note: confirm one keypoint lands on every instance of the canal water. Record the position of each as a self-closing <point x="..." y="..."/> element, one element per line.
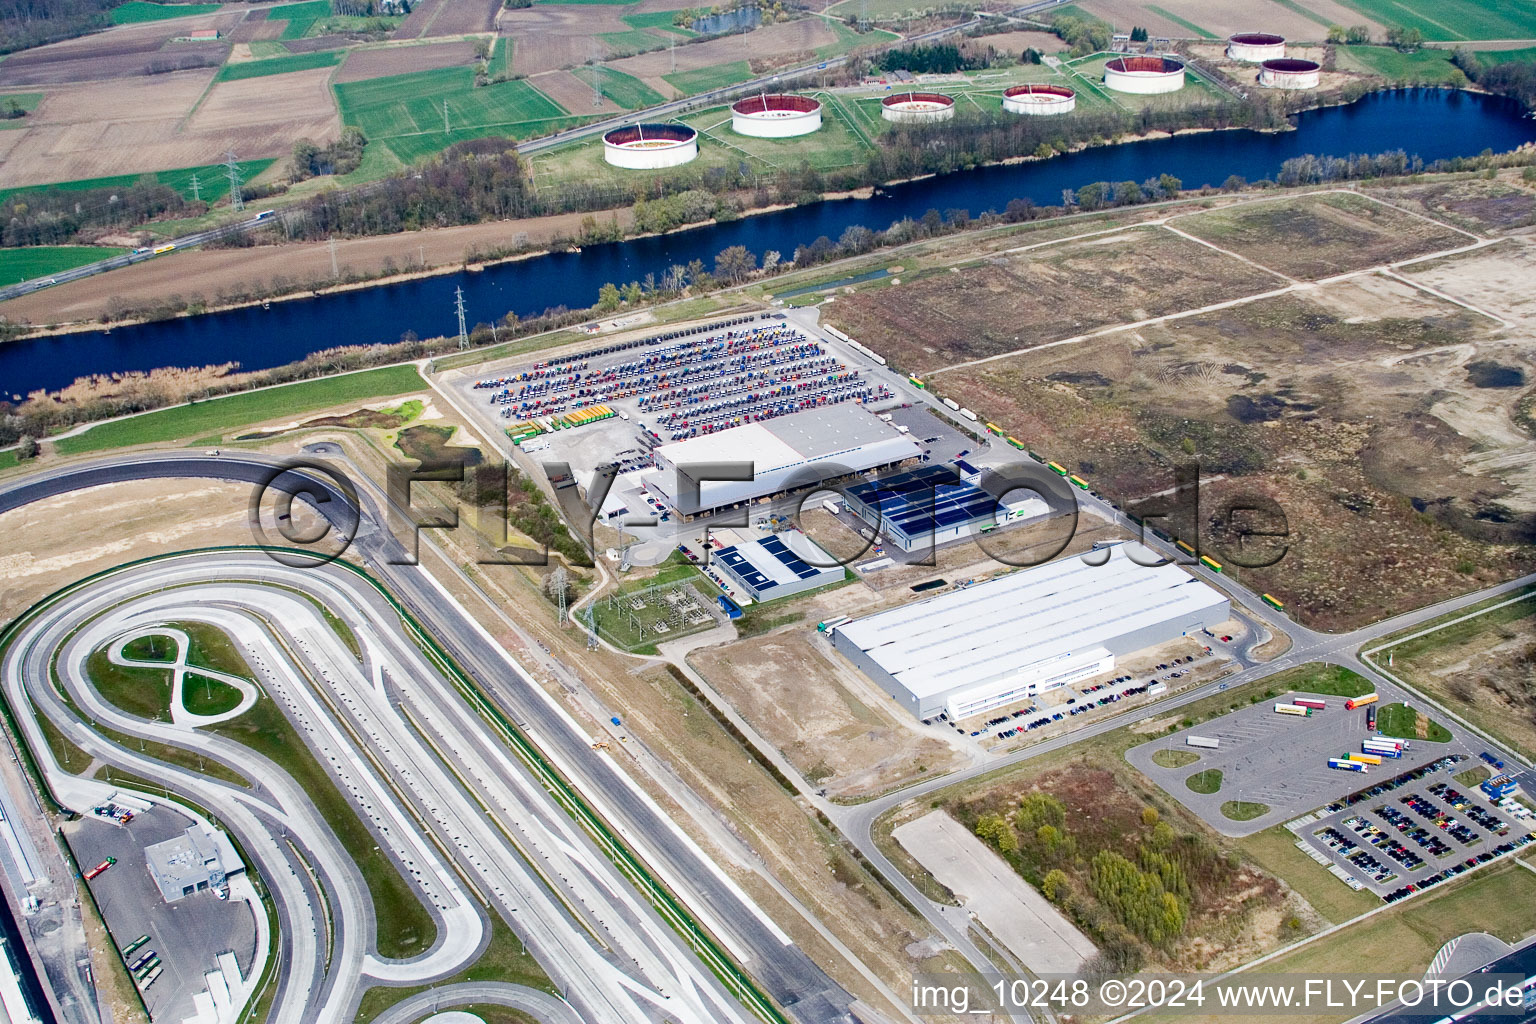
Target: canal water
<point x="1429" y="123"/>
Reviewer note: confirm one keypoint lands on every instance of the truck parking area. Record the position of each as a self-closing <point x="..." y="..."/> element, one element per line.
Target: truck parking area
<point x="1409" y="831"/>
<point x="1277" y="760"/>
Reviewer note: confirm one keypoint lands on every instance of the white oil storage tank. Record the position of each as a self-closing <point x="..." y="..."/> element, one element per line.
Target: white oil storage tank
<point x="1039" y="98"/>
<point x="1144" y="76"/>
<point x="1290" y="73"/>
<point x="650" y="146"/>
<point x="1255" y="47"/>
<point x="917" y="107"/>
<point x="773" y="116"/>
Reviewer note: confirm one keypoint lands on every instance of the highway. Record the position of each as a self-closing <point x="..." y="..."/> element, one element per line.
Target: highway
<point x="391" y="721"/>
<point x="660" y="111"/>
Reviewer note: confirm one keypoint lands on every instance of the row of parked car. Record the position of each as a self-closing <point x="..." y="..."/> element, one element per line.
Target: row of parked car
<point x="1456" y="869"/>
<point x="1417" y="834"/>
<point x="1396" y="781"/>
<point x="1435" y="816"/>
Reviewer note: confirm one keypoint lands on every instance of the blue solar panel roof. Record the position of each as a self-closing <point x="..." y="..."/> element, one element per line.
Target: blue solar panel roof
<point x="750" y="574"/>
<point x="920" y="500"/>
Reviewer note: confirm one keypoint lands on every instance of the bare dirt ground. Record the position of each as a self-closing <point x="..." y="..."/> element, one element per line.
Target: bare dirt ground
<point x="256" y="117"/>
<point x="1014" y="302"/>
<point x="1014" y="42"/>
<point x="299" y="103"/>
<point x="1503" y="206"/>
<point x="118" y="52"/>
<point x="415" y="24"/>
<point x="400" y="60"/>
<point x="766" y="42"/>
<point x="1223" y="18"/>
<point x="464" y="16"/>
<point x="211" y="272"/>
<point x="548" y="38"/>
<point x="831" y="722"/>
<point x="571" y="93"/>
<point x="54" y="542"/>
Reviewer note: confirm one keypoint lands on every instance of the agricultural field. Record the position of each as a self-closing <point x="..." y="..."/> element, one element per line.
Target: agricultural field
<point x="625" y="91"/>
<point x="136" y="11"/>
<point x="1481" y="666"/>
<point x="1384" y="420"/>
<point x="41" y="260"/>
<point x="717" y="76"/>
<point x="299" y="18"/>
<point x="1453" y="20"/>
<point x="213" y="180"/>
<point x="1294" y="19"/>
<point x="279" y="65"/>
<point x="385" y="62"/>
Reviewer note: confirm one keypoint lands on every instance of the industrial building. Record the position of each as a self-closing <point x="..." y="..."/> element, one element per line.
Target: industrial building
<point x="650" y="146"/>
<point x="929" y="505"/>
<point x="796" y="450"/>
<point x="779" y="566"/>
<point x="917" y="107"/>
<point x="1039" y="99"/>
<point x="1255" y="47"/>
<point x="775" y="116"/>
<point x="192" y="862"/>
<point x="1290" y="73"/>
<point x="1014" y="637"/>
<point x="1144" y="76"/>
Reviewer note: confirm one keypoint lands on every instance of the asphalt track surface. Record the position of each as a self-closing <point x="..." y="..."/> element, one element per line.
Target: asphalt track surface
<point x="418" y="763"/>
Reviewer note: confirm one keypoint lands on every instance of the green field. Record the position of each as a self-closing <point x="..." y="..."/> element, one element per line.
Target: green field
<point x="1170" y="16"/>
<point x="716" y="76"/>
<point x="1205" y="782"/>
<point x="1527" y="54"/>
<point x="1398" y="722"/>
<point x="26" y="101"/>
<point x="146" y="692"/>
<point x="501" y="57"/>
<point x="1326" y="680"/>
<point x="300" y="17"/>
<point x="1454" y="19"/>
<point x="657" y="19"/>
<point x="41" y="260"/>
<point x="1243" y="810"/>
<point x="625" y="90"/>
<point x="280" y="65"/>
<point x="136" y="11"/>
<point x="1429" y="66"/>
<point x="624" y="44"/>
<point x="405" y="112"/>
<point x="848" y="39"/>
<point x="215" y="416"/>
<point x="213" y="181"/>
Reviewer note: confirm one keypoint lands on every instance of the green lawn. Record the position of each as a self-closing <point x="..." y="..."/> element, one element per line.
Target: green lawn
<point x="1326" y="680"/>
<point x="406" y="111"/>
<point x="715" y="76"/>
<point x="1205" y="782"/>
<point x="1169" y="758"/>
<point x="220" y="415"/>
<point x="146" y="692"/>
<point x="280" y="65"/>
<point x="1274" y="849"/>
<point x="658" y="19"/>
<point x="135" y="11"/>
<point x="213" y="181"/>
<point x="26" y="101"/>
<point x="42" y="260"/>
<point x="1454" y="19"/>
<point x="1170" y="16"/>
<point x="848" y="39"/>
<point x="1429" y="66"/>
<point x="300" y="17"/>
<point x="1399" y="722"/>
<point x="1243" y="810"/>
<point x="1506" y="56"/>
<point x="501" y="57"/>
<point x="623" y="44"/>
<point x="625" y="90"/>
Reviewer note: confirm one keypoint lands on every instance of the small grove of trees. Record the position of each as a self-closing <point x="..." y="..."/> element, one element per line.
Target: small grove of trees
<point x="1138" y="34"/>
<point x="1083" y="34"/>
<point x="310" y="159"/>
<point x="1355" y="35"/>
<point x="53" y="216"/>
<point x="1316" y="170"/>
<point x="1516" y="79"/>
<point x="1100" y="195"/>
<point x="934" y="59"/>
<point x="1405" y="40"/>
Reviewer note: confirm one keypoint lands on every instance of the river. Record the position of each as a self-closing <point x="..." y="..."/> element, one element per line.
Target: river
<point x="1430" y="123"/>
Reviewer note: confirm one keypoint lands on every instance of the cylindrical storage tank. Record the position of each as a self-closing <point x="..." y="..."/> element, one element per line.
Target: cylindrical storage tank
<point x="650" y="146"/>
<point x="909" y="107"/>
<point x="1144" y="75"/>
<point x="775" y="116"/>
<point x="1290" y="73"/>
<point x="1039" y="99"/>
<point x="1255" y="47"/>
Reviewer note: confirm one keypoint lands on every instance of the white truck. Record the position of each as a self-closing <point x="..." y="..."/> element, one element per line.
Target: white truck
<point x="831" y="506"/>
<point x="1201" y="741"/>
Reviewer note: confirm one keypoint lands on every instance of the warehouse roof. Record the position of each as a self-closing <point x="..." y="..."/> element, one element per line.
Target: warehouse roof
<point x="1051" y="612"/>
<point x="920" y="500"/>
<point x="774" y="562"/>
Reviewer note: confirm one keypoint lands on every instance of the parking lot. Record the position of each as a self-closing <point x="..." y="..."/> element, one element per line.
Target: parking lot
<point x="187" y="935"/>
<point x="1412" y="830"/>
<point x="1273" y="759"/>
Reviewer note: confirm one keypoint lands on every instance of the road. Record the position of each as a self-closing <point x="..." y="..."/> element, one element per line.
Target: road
<point x="661" y="111"/>
<point x="789" y="976"/>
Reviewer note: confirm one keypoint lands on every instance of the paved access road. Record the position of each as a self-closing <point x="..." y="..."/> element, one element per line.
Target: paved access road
<point x="398" y="718"/>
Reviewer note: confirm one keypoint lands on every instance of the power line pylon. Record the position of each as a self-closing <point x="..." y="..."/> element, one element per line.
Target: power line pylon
<point x="458" y="305"/>
<point x="236" y="200"/>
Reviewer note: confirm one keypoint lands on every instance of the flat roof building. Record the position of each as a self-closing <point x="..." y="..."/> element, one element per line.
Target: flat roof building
<point x="794" y="450"/>
<point x="779" y="566"/>
<point x="1014" y="637"/>
<point x="931" y="505"/>
<point x="192" y="862"/>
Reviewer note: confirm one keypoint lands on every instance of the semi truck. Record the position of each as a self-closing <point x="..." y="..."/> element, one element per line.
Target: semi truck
<point x="1361" y="701"/>
<point x="99" y="868"/>
<point x="831" y="624"/>
<point x="1292" y="709"/>
<point x="1366" y="758"/>
<point x="1344" y="764"/>
<point x="831" y="506"/>
<point x="1383" y="751"/>
<point x="1311" y="702"/>
<point x="1202" y="741"/>
<point x="1370" y="719"/>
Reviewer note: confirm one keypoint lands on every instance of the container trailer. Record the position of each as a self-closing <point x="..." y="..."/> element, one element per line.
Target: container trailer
<point x="1311" y="702"/>
<point x="1366" y="758"/>
<point x="1344" y="764"/>
<point x="1292" y="709"/>
<point x="1361" y="701"/>
<point x="1202" y="741"/>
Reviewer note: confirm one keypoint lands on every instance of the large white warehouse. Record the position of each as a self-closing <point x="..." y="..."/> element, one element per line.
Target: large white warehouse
<point x="1014" y="637"/>
<point x="789" y="451"/>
